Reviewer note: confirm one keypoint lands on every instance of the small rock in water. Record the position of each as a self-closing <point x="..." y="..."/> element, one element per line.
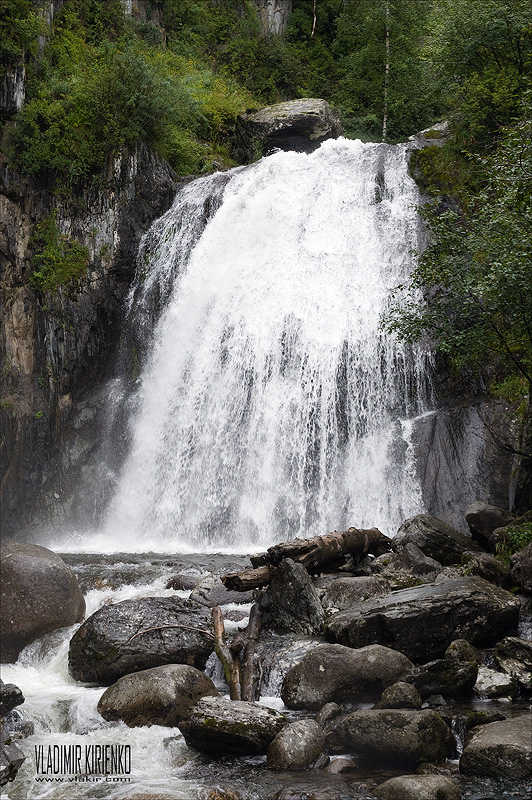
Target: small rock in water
<point x="297" y="746"/>
<point x="418" y="787"/>
<point x="514" y="656"/>
<point x="491" y="683"/>
<point x="181" y="583"/>
<point x="400" y="695"/>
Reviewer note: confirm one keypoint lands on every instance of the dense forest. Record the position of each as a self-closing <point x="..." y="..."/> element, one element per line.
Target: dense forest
<point x="102" y="77"/>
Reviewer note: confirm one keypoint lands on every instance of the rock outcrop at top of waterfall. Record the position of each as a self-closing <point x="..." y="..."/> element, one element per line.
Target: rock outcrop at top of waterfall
<point x="300" y="125"/>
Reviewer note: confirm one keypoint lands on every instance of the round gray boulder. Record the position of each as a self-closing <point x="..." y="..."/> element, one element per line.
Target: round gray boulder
<point x="418" y="787"/>
<point x="297" y="746"/>
<point x="158" y="696"/>
<point x="500" y="750"/>
<point x="400" y="695"/>
<point x="39" y="593"/>
<point x="334" y="672"/>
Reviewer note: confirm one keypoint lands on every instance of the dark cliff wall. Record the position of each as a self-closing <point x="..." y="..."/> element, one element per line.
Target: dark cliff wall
<point x="56" y="347"/>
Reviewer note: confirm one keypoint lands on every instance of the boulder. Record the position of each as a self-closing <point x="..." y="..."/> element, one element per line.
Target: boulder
<point x="491" y="683"/>
<point x="11" y="757"/>
<point x="39" y="593"/>
<point x="297" y="746"/>
<point x="334" y="672"/>
<point x="483" y="519"/>
<point x="400" y="695"/>
<point x="521" y="566"/>
<point x="418" y="787"/>
<point x="514" y="656"/>
<point x="158" y="696"/>
<point x="422" y="622"/>
<point x="347" y="592"/>
<point x="486" y="566"/>
<point x="474" y="718"/>
<point x="291" y="602"/>
<point x="461" y="650"/>
<point x="445" y="676"/>
<point x="409" y="566"/>
<point x="435" y="538"/>
<point x="211" y="592"/>
<point x="500" y="750"/>
<point x="10" y="697"/>
<point x="398" y="737"/>
<point x="300" y="125"/>
<point x="181" y="582"/>
<point x="139" y="634"/>
<point x="219" y="726"/>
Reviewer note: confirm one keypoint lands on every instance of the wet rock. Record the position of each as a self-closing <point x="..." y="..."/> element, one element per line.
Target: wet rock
<point x="211" y="592"/>
<point x="219" y="726"/>
<point x="418" y="787"/>
<point x="336" y="672"/>
<point x="435" y="538"/>
<point x="181" y="583"/>
<point x="475" y="718"/>
<point x="500" y="750"/>
<point x="521" y="566"/>
<point x="328" y="712"/>
<point x="339" y="766"/>
<point x="299" y="125"/>
<point x="486" y="566"/>
<point x="292" y="793"/>
<point x="400" y="695"/>
<point x="39" y="593"/>
<point x="409" y="566"/>
<point x="398" y="737"/>
<point x="514" y="656"/>
<point x="291" y="602"/>
<point x="139" y="634"/>
<point x="10" y="697"/>
<point x="297" y="746"/>
<point x="11" y="757"/>
<point x="344" y="593"/>
<point x="491" y="683"/>
<point x="422" y="622"/>
<point x="334" y="732"/>
<point x="445" y="676"/>
<point x="461" y="650"/>
<point x="158" y="696"/>
<point x="447" y="768"/>
<point x="483" y="519"/>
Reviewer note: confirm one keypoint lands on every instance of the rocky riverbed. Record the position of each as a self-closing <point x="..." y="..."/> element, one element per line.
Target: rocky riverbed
<point x="408" y="674"/>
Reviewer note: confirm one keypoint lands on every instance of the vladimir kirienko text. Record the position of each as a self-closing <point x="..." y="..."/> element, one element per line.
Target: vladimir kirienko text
<point x="78" y="759"/>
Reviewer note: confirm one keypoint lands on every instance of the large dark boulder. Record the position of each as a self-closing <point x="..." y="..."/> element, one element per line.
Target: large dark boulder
<point x="409" y="566"/>
<point x="422" y="622"/>
<point x="445" y="676"/>
<point x="486" y="566"/>
<point x="435" y="538"/>
<point x="500" y="750"/>
<point x="333" y="672"/>
<point x="521" y="564"/>
<point x="346" y="592"/>
<point x="10" y="697"/>
<point x="297" y="746"/>
<point x="398" y="737"/>
<point x="158" y="696"/>
<point x="139" y="634"/>
<point x="300" y="125"/>
<point x="483" y="519"/>
<point x="219" y="726"/>
<point x="39" y="593"/>
<point x="291" y="602"/>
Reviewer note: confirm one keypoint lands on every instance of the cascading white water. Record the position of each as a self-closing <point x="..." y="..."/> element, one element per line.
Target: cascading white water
<point x="272" y="404"/>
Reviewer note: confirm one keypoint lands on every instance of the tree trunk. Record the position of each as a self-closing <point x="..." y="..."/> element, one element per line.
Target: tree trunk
<point x="231" y="666"/>
<point x="249" y="669"/>
<point x="386" y="73"/>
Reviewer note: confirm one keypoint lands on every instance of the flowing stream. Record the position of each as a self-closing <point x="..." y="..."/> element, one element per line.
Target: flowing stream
<point x="269" y="405"/>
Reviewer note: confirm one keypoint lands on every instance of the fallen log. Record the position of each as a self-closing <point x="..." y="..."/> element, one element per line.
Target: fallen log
<point x="231" y="665"/>
<point x="316" y="554"/>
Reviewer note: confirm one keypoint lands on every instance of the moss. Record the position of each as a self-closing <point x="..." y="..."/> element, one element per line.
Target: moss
<point x="59" y="260"/>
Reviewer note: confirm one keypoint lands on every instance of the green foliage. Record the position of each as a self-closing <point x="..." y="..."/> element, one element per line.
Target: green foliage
<point x="516" y="538"/>
<point x="59" y="260"/>
<point x="19" y="28"/>
<point x="475" y="276"/>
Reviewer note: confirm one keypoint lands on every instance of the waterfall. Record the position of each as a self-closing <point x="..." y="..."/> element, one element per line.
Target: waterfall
<point x="271" y="405"/>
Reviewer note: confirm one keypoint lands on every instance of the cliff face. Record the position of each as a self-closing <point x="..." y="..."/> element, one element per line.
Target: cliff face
<point x="57" y="346"/>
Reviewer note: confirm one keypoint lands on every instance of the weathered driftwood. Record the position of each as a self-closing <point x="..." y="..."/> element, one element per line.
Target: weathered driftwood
<point x="231" y="665"/>
<point x="320" y="552"/>
<point x="248" y="579"/>
<point x="249" y="666"/>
